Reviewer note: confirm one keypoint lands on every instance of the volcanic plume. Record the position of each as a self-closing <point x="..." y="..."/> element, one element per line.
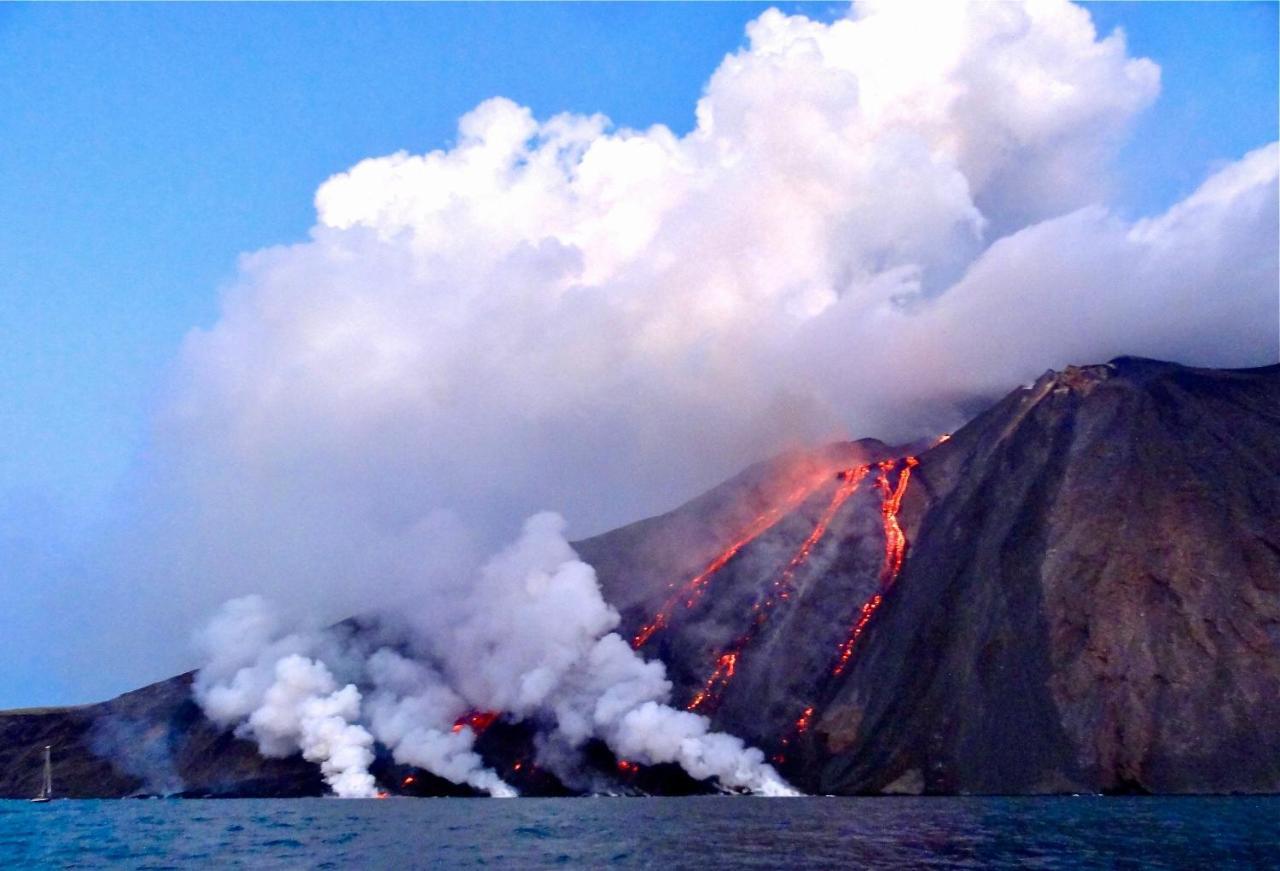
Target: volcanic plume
<point x="533" y="644"/>
<point x="874" y="225"/>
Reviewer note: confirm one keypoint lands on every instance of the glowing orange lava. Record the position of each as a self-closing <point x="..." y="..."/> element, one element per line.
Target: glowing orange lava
<point x="408" y="781"/>
<point x="802" y="724"/>
<point x="895" y="542"/>
<point x="726" y="665"/>
<point x="477" y="720"/>
<point x="849" y="481"/>
<point x="864" y="615"/>
<point x="709" y="696"/>
<point x="627" y="768"/>
<point x="895" y="552"/>
<point x="690" y="592"/>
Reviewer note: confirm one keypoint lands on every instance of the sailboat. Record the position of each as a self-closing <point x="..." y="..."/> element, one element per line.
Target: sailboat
<point x="46" y="784"/>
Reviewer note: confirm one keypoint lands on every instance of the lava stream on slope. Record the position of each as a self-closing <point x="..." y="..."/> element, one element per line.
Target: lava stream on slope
<point x="726" y="664"/>
<point x="895" y="552"/>
<point x="691" y="591"/>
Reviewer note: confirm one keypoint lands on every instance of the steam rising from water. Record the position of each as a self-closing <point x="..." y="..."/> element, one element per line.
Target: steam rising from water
<point x="533" y="639"/>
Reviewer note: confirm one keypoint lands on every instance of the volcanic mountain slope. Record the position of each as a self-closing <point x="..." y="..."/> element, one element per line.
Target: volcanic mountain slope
<point x="1091" y="602"/>
<point x="1079" y="591"/>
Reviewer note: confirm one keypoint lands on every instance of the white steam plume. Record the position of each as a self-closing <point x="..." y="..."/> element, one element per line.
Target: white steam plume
<point x="532" y="639"/>
<point x="269" y="687"/>
<point x="413" y="712"/>
<point x="539" y="645"/>
<point x="282" y="699"/>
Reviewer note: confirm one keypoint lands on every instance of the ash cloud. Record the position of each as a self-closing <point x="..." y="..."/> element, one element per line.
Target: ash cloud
<point x="873" y="222"/>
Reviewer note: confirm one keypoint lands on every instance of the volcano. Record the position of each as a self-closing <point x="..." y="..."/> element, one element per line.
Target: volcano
<point x="1078" y="591"/>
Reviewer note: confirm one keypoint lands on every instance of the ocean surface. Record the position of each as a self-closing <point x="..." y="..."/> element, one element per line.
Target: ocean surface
<point x="710" y="832"/>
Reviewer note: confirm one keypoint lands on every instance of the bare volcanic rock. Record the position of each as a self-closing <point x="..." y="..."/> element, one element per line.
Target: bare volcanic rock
<point x="1079" y="591"/>
<point x="1091" y="600"/>
<point x="751" y="624"/>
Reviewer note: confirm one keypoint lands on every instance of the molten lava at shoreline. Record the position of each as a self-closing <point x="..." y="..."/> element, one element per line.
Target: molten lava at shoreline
<point x="479" y="721"/>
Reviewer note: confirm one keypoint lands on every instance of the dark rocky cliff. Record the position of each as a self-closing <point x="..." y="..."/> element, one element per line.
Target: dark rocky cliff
<point x="1077" y="592"/>
<point x="153" y="741"/>
<point x="1092" y="601"/>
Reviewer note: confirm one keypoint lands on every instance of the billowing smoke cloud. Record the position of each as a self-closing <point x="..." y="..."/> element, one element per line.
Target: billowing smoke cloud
<point x="873" y="222"/>
<point x="532" y="640"/>
<point x="414" y="713"/>
<point x="275" y="692"/>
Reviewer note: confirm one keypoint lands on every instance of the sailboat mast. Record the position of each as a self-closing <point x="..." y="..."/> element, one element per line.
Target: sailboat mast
<point x="47" y="790"/>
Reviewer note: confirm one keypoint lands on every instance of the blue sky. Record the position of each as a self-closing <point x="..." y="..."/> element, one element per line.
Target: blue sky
<point x="146" y="146"/>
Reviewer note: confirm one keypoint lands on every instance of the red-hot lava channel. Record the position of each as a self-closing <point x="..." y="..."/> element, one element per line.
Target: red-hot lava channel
<point x="895" y="551"/>
<point x="726" y="667"/>
<point x="479" y="721"/>
<point x="801" y="726"/>
<point x="690" y="592"/>
<point x="726" y="664"/>
<point x="849" y="481"/>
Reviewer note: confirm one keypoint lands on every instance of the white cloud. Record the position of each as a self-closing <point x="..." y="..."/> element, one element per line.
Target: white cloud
<point x="873" y="219"/>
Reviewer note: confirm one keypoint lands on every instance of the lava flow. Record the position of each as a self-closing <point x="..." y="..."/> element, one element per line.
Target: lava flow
<point x="801" y="726"/>
<point x="727" y="663"/>
<point x="895" y="541"/>
<point x="849" y="481"/>
<point x="689" y="593"/>
<point x="726" y="666"/>
<point x="479" y="721"/>
<point x="895" y="552"/>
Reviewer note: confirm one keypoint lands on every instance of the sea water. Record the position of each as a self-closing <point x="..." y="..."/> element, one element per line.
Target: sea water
<point x="667" y="833"/>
